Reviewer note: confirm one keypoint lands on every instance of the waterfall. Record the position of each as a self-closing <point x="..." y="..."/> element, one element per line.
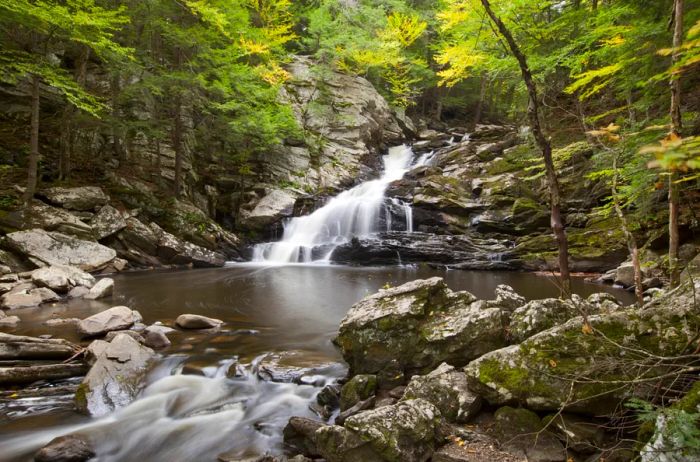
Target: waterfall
<point x="353" y="213"/>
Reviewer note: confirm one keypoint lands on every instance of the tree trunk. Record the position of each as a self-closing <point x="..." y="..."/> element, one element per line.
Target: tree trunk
<point x="545" y="146"/>
<point x="676" y="126"/>
<point x="177" y="133"/>
<point x="33" y="165"/>
<point x="631" y="240"/>
<point x="116" y="141"/>
<point x="482" y="97"/>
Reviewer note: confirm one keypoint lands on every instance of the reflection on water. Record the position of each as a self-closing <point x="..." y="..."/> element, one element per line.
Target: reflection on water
<point x="266" y="309"/>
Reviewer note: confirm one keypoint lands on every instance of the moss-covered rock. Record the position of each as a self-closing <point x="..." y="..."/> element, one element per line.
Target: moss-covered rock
<point x="539" y="315"/>
<point x="405" y="432"/>
<point x="413" y="328"/>
<point x="588" y="368"/>
<point x="359" y="388"/>
<point x="446" y="388"/>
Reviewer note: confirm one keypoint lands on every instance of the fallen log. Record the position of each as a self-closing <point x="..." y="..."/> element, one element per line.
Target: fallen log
<point x="22" y="347"/>
<point x="17" y="375"/>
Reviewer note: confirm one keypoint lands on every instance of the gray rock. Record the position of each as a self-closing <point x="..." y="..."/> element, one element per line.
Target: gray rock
<point x="270" y="209"/>
<point x="156" y="339"/>
<point x="131" y="333"/>
<point x="4" y="269"/>
<point x="9" y="278"/>
<point x="9" y="321"/>
<point x="16" y="300"/>
<point x="299" y="434"/>
<point x="405" y="432"/>
<point x="103" y="288"/>
<point x="446" y="388"/>
<point x="115" y="318"/>
<point x="507" y="299"/>
<point x="56" y="219"/>
<point x="61" y="278"/>
<point x="78" y="292"/>
<point x="115" y="378"/>
<point x="624" y="276"/>
<point x="107" y="222"/>
<point x="47" y="295"/>
<point x="539" y="315"/>
<point x="61" y="321"/>
<point x="69" y="448"/>
<point x="53" y="248"/>
<point x="412" y="329"/>
<point x="84" y="198"/>
<point x="196" y="321"/>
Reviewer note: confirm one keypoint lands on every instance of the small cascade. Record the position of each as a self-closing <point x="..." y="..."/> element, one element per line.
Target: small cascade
<point x="425" y="159"/>
<point x="353" y="213"/>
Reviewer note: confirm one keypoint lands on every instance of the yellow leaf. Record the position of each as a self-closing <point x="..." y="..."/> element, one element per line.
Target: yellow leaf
<point x="587" y="329"/>
<point x="14" y="395"/>
<point x="552" y="363"/>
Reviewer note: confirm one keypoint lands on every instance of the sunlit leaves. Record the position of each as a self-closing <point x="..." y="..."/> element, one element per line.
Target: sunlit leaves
<point x="675" y="154"/>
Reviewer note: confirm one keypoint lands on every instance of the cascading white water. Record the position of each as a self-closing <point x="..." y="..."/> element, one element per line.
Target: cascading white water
<point x="354" y="212"/>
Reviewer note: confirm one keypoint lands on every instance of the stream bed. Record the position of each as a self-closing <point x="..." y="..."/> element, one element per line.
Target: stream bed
<point x="210" y="392"/>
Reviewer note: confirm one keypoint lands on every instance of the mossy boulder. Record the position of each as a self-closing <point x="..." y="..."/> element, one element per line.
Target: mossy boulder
<point x="539" y="315"/>
<point x="411" y="329"/>
<point x="359" y="388"/>
<point x="446" y="388"/>
<point x="405" y="432"/>
<point x="587" y="368"/>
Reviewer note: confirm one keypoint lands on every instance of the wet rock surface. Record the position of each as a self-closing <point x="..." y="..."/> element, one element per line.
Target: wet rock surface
<point x="115" y="376"/>
<point x="70" y="448"/>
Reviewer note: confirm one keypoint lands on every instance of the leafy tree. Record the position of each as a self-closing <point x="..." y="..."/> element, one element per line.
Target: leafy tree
<point x="35" y="33"/>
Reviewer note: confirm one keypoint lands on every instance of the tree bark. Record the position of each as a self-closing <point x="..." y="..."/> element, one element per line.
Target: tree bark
<point x="17" y="375"/>
<point x="33" y="165"/>
<point x="545" y="146"/>
<point x="177" y="133"/>
<point x="631" y="240"/>
<point x="676" y="126"/>
<point x="482" y="97"/>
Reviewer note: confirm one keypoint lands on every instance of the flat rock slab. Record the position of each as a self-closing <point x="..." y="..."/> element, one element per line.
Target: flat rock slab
<point x="115" y="318"/>
<point x="115" y="378"/>
<point x="103" y="288"/>
<point x="84" y="198"/>
<point x="51" y="248"/>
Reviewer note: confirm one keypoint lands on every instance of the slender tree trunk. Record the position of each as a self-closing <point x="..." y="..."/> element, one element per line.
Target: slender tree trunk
<point x="33" y="147"/>
<point x="545" y="146"/>
<point x="631" y="240"/>
<point x="676" y="126"/>
<point x="177" y="132"/>
<point x="116" y="141"/>
<point x="482" y="97"/>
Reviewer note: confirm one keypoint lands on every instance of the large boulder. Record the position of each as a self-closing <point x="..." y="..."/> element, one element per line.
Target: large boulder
<point x="107" y="221"/>
<point x="405" y="432"/>
<point x="62" y="278"/>
<point x="446" y="388"/>
<point x="196" y="321"/>
<point x="115" y="377"/>
<point x="84" y="198"/>
<point x="51" y="248"/>
<point x="411" y="329"/>
<point x="115" y="318"/>
<point x="23" y="299"/>
<point x="522" y="432"/>
<point x="55" y="219"/>
<point x="589" y="368"/>
<point x="270" y="209"/>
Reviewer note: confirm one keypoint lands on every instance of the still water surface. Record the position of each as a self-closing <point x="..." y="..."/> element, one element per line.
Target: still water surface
<point x="292" y="310"/>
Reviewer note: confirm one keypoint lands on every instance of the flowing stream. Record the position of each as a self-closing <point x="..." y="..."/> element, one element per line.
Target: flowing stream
<point x="353" y="213"/>
<point x="277" y="319"/>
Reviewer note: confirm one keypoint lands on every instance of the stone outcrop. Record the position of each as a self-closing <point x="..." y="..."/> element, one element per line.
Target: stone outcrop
<point x="62" y="278"/>
<point x="115" y="377"/>
<point x="196" y="321"/>
<point x="69" y="448"/>
<point x="413" y="328"/>
<point x="83" y="198"/>
<point x="581" y="367"/>
<point x="52" y="248"/>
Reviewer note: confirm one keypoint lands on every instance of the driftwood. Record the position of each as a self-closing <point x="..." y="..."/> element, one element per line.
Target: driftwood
<point x="15" y="347"/>
<point x="28" y="374"/>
